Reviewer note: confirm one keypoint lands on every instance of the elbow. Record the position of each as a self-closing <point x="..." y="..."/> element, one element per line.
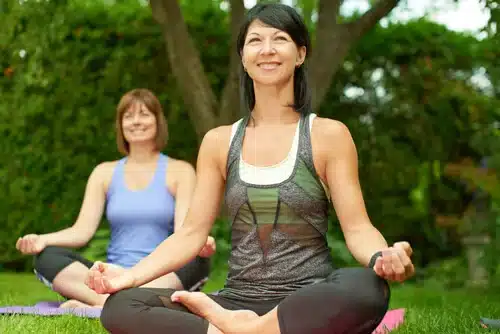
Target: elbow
<point x="197" y="236"/>
<point x="81" y="237"/>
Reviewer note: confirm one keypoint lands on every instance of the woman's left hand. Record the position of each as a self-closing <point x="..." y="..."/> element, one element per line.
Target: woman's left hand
<point x="395" y="263"/>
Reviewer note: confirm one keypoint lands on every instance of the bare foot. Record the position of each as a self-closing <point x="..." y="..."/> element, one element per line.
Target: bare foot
<point x="73" y="303"/>
<point x="229" y="322"/>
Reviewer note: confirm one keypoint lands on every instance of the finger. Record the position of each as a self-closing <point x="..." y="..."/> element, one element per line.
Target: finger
<point x="19" y="244"/>
<point x="405" y="246"/>
<point x="29" y="246"/>
<point x="34" y="247"/>
<point x="178" y="296"/>
<point x="22" y="245"/>
<point x="407" y="264"/>
<point x="378" y="267"/>
<point x="397" y="266"/>
<point x="90" y="279"/>
<point x="387" y="263"/>
<point x="99" y="266"/>
<point x="97" y="281"/>
<point x="102" y="285"/>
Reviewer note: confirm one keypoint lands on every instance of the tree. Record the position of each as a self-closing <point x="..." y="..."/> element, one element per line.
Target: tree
<point x="333" y="40"/>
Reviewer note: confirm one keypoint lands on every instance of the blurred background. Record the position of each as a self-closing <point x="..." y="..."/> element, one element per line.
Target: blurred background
<point x="416" y="81"/>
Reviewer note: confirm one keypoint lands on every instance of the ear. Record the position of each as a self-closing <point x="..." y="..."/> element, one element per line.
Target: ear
<point x="243" y="63"/>
<point x="301" y="56"/>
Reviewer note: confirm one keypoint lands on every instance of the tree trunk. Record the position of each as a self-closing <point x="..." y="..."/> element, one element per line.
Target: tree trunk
<point x="333" y="41"/>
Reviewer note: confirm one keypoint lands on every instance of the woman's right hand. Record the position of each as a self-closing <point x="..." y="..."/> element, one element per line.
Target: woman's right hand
<point x="105" y="278"/>
<point x="30" y="244"/>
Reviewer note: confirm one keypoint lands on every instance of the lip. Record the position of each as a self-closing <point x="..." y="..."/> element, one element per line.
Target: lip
<point x="268" y="66"/>
<point x="269" y="63"/>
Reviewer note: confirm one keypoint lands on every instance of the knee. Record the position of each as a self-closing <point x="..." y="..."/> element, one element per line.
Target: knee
<point x="43" y="261"/>
<point x="368" y="291"/>
<point x="119" y="310"/>
<point x="113" y="314"/>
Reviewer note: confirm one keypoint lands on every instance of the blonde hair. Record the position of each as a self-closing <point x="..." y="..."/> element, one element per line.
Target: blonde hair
<point x="150" y="101"/>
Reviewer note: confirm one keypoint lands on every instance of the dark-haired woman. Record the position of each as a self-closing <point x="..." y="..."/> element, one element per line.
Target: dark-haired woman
<point x="280" y="167"/>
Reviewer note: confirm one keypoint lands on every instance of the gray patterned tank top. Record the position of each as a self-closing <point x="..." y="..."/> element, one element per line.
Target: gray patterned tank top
<point x="278" y="231"/>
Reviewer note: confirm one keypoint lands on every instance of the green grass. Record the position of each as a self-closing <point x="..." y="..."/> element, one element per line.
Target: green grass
<point x="428" y="309"/>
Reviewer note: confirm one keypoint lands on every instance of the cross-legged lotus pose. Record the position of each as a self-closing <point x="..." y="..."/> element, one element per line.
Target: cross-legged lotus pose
<point x="145" y="195"/>
<point x="279" y="168"/>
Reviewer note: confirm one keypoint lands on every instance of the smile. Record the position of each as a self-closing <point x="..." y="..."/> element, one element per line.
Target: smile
<point x="269" y="66"/>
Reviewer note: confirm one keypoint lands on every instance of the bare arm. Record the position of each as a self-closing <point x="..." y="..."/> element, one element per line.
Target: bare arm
<point x="184" y="188"/>
<point x="189" y="239"/>
<point x="362" y="238"/>
<point x="89" y="217"/>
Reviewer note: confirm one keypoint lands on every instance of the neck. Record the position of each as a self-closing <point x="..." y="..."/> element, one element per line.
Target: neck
<point x="142" y="153"/>
<point x="272" y="104"/>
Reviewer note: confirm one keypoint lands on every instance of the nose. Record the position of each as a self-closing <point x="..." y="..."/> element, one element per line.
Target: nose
<point x="268" y="47"/>
<point x="136" y="118"/>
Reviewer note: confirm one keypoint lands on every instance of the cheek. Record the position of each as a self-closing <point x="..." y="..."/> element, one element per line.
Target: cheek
<point x="151" y="123"/>
<point x="125" y="124"/>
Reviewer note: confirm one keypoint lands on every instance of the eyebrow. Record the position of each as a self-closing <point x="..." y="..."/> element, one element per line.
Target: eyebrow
<point x="254" y="33"/>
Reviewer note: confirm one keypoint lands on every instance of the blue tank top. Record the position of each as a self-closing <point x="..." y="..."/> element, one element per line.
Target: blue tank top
<point x="140" y="220"/>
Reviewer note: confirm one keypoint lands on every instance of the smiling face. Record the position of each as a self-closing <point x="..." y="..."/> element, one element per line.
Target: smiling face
<point x="270" y="55"/>
<point x="139" y="124"/>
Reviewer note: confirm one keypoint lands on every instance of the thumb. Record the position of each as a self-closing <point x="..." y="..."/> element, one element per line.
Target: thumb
<point x="116" y="283"/>
<point x="101" y="267"/>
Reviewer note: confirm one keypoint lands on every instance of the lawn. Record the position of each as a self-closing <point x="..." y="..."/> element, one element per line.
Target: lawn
<point x="429" y="310"/>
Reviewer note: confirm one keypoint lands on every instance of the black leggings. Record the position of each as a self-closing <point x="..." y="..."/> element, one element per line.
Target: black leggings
<point x="350" y="301"/>
<point x="52" y="260"/>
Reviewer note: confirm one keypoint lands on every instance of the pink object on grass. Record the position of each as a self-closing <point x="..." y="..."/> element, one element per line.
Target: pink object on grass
<point x="391" y="321"/>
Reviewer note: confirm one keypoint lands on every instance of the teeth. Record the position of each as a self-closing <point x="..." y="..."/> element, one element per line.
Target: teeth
<point x="268" y="66"/>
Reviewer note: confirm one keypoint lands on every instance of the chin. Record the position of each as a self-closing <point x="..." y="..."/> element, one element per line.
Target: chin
<point x="139" y="139"/>
<point x="271" y="80"/>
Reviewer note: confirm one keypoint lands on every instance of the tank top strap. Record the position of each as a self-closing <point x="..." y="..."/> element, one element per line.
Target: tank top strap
<point x="236" y="143"/>
<point x="160" y="178"/>
<point x="304" y="151"/>
<point x="117" y="178"/>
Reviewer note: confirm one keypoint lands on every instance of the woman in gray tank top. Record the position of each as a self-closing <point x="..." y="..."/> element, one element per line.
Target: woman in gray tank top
<point x="280" y="168"/>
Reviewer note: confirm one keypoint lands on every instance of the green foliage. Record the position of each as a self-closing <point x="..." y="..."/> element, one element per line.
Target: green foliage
<point x="64" y="68"/>
<point x="59" y="105"/>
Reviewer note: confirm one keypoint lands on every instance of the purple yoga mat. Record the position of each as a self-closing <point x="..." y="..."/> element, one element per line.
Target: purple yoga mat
<point x="52" y="308"/>
<point x="392" y="319"/>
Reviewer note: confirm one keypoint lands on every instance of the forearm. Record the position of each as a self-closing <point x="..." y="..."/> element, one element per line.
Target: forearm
<point x="172" y="254"/>
<point x="365" y="241"/>
<point x="70" y="237"/>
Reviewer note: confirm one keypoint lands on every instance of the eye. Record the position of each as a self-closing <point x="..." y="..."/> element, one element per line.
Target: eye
<point x="282" y="38"/>
<point x="254" y="39"/>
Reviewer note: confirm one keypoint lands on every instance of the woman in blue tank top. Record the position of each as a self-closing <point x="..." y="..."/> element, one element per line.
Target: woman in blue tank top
<point x="145" y="197"/>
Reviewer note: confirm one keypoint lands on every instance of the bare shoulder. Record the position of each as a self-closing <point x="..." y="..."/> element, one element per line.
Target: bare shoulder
<point x="216" y="142"/>
<point x="103" y="172"/>
<point x="331" y="139"/>
<point x="330" y="129"/>
<point x="218" y="136"/>
<point x="179" y="167"/>
<point x="215" y="148"/>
